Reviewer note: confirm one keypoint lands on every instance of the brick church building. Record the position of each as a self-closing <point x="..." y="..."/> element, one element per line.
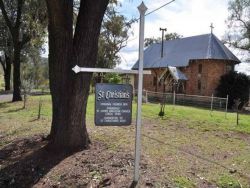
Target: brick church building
<point x="191" y="65"/>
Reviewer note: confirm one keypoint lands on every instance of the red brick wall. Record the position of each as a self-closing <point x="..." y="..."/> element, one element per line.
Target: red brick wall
<point x="212" y="70"/>
<point x="209" y="78"/>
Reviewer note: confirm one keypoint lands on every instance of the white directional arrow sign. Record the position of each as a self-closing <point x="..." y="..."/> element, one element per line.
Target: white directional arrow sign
<point x="78" y="69"/>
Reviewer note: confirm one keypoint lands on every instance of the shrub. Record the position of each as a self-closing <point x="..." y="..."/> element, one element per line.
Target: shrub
<point x="236" y="85"/>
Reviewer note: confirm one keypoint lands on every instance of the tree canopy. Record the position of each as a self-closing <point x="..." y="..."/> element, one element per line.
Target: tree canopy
<point x="113" y="37"/>
<point x="239" y="25"/>
<point x="26" y="22"/>
<point x="6" y="55"/>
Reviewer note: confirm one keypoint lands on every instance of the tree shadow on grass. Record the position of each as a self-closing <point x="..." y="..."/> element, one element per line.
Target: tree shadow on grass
<point x="14" y="110"/>
<point x="25" y="161"/>
<point x="34" y="120"/>
<point x="4" y="104"/>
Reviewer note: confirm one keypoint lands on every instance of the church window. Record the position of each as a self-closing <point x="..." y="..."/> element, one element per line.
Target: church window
<point x="200" y="68"/>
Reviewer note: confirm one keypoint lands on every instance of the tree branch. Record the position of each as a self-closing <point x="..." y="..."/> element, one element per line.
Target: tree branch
<point x="236" y="45"/>
<point x="238" y="17"/>
<point x="6" y="18"/>
<point x="19" y="14"/>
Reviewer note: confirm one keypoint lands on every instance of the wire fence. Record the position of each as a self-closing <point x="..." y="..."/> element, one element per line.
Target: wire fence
<point x="211" y="102"/>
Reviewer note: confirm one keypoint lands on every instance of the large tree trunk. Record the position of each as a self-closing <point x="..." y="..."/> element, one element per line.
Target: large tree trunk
<point x="6" y="64"/>
<point x="16" y="75"/>
<point x="7" y="73"/>
<point x="69" y="90"/>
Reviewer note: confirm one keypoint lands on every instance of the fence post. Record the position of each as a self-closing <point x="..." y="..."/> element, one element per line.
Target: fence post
<point x="133" y="94"/>
<point x="39" y="108"/>
<point x="146" y="96"/>
<point x="212" y="101"/>
<point x="226" y="107"/>
<point x="174" y="99"/>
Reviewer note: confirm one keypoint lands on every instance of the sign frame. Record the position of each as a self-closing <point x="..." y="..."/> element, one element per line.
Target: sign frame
<point x="119" y="104"/>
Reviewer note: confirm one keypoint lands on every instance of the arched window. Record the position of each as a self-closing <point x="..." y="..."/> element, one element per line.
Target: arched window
<point x="200" y="69"/>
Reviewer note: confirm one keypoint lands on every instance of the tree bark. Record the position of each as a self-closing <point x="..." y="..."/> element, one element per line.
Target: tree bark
<point x="69" y="90"/>
<point x="6" y="65"/>
<point x="7" y="73"/>
<point x="7" y="81"/>
<point x="16" y="75"/>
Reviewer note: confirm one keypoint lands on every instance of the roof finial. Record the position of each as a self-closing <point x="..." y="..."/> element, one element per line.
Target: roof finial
<point x="212" y="27"/>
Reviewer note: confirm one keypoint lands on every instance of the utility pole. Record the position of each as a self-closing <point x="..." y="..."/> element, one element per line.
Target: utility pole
<point x="162" y="37"/>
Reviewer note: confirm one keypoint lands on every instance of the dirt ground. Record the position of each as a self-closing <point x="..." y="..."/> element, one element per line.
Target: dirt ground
<point x="168" y="152"/>
<point x="26" y="163"/>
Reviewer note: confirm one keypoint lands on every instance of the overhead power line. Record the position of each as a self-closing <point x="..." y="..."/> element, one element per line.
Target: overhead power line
<point x="135" y="20"/>
<point x="157" y="9"/>
<point x="160" y="7"/>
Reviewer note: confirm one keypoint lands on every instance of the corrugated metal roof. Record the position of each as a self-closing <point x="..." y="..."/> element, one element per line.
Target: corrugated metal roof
<point x="177" y="74"/>
<point x="178" y="52"/>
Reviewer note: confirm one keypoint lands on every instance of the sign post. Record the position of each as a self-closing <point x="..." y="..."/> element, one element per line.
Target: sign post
<point x="142" y="9"/>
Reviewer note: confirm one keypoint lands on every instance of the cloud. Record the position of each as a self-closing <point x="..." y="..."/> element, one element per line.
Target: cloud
<point x="185" y="17"/>
<point x="193" y="17"/>
<point x="128" y="62"/>
<point x="243" y="68"/>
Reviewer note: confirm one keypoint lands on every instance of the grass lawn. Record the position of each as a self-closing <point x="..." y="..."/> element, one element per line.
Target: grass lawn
<point x="189" y="147"/>
<point x="1" y="81"/>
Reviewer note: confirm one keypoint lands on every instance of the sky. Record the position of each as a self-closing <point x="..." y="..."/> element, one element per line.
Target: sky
<point x="185" y="17"/>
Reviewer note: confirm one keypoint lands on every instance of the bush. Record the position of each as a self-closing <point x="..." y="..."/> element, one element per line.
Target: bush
<point x="236" y="85"/>
<point x="112" y="78"/>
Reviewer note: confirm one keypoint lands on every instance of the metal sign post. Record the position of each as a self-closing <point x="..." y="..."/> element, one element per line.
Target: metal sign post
<point x="142" y="9"/>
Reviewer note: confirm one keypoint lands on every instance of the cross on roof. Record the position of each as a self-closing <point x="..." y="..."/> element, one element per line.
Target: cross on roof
<point x="212" y="27"/>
